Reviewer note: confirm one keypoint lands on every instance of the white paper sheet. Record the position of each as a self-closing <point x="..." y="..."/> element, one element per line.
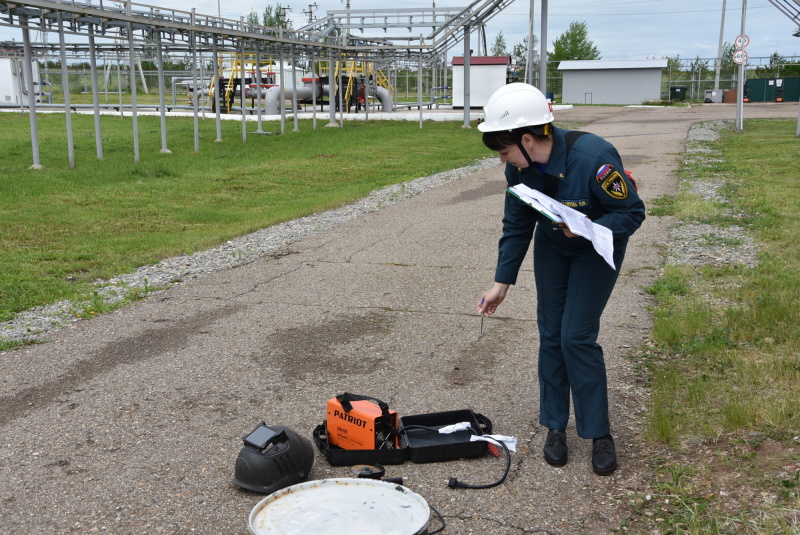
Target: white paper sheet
<point x="601" y="237"/>
<point x="510" y="442"/>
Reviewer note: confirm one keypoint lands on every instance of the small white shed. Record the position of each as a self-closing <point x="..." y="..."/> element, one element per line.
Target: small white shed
<point x="611" y="81"/>
<point x="486" y="75"/>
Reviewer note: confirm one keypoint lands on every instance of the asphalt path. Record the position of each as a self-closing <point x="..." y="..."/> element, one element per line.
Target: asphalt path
<point x="132" y="422"/>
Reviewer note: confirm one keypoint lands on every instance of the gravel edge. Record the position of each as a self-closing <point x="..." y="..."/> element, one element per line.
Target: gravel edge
<point x="36" y="324"/>
<point x="702" y="244"/>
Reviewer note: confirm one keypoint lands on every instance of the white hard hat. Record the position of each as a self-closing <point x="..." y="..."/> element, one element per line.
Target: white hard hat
<point x="514" y="106"/>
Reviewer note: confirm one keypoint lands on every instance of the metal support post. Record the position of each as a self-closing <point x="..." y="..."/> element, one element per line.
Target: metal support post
<point x="241" y="86"/>
<point x="28" y="70"/>
<point x="419" y="80"/>
<point x="259" y="129"/>
<point x="798" y="122"/>
<point x="366" y="92"/>
<point x="331" y="91"/>
<point x="466" y="77"/>
<point x="294" y="88"/>
<point x="282" y="93"/>
<point x="529" y="54"/>
<point x="314" y="86"/>
<point x="161" y="97"/>
<point x="65" y="89"/>
<point x="193" y="44"/>
<point x="98" y="134"/>
<point x="132" y="68"/>
<point x="543" y="51"/>
<point x="216" y="78"/>
<point x="740" y="82"/>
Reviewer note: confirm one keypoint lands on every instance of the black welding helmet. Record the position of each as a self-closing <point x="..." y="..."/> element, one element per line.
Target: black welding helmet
<point x="273" y="458"/>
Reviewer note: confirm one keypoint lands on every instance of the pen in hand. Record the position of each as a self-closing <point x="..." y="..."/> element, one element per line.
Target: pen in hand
<point x="481" y="334"/>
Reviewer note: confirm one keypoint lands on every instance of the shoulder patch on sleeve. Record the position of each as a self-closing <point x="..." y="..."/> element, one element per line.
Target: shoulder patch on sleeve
<point x="615" y="186"/>
<point x="603" y="172"/>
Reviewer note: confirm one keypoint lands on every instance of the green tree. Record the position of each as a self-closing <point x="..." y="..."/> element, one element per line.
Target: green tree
<point x="272" y="17"/>
<point x="574" y="44"/>
<point x="520" y="55"/>
<point x="790" y="69"/>
<point x="698" y="68"/>
<point x="674" y="66"/>
<point x="252" y="17"/>
<point x="728" y="67"/>
<point x="499" y="46"/>
<point x="276" y="17"/>
<point x="773" y="69"/>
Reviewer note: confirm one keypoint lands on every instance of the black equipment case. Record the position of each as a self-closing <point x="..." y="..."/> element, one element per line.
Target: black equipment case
<point x="418" y="440"/>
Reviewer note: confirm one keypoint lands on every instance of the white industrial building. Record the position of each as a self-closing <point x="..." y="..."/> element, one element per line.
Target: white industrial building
<point x="611" y="81"/>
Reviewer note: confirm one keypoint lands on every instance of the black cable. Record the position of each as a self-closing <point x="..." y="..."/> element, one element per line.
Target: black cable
<point x="441" y="519"/>
<point x="406" y="427"/>
<point x="454" y="483"/>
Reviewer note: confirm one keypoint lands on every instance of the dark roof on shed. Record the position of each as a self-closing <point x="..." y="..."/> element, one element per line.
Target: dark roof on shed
<point x="483" y="60"/>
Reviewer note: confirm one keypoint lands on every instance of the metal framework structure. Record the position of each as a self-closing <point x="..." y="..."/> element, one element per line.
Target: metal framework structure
<point x="791" y="9"/>
<point x="123" y="28"/>
<point x="177" y="29"/>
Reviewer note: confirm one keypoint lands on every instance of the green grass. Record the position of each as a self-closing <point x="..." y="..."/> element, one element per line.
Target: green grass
<point x="63" y="228"/>
<point x="725" y="367"/>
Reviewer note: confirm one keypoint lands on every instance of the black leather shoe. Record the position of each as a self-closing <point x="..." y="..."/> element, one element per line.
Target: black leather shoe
<point x="604" y="456"/>
<point x="555" y="447"/>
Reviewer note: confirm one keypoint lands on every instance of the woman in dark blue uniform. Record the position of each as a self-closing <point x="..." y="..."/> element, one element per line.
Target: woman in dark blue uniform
<point x="573" y="282"/>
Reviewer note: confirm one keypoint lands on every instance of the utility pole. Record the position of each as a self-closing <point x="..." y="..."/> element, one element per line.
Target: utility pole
<point x="543" y="51"/>
<point x="312" y="8"/>
<point x="529" y="55"/>
<point x="719" y="49"/>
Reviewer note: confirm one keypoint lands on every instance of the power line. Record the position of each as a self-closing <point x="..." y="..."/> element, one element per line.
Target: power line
<point x="628" y="14"/>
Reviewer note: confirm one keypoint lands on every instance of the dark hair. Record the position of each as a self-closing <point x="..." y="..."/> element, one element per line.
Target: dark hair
<point x="501" y="139"/>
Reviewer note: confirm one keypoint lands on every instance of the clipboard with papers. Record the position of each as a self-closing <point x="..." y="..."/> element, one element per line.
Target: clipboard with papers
<point x="601" y="237"/>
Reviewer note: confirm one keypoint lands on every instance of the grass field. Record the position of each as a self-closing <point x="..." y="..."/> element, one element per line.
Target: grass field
<point x="63" y="228"/>
<point x="725" y="366"/>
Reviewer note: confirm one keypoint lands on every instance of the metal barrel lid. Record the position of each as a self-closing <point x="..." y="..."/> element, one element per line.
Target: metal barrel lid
<point x="341" y="506"/>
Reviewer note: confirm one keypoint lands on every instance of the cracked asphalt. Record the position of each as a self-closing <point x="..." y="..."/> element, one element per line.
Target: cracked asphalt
<point x="131" y="422"/>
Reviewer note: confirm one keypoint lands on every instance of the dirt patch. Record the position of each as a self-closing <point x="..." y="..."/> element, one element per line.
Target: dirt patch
<point x="343" y="345"/>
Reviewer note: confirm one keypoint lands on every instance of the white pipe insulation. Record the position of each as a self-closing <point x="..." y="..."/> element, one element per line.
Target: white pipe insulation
<point x="306" y="93"/>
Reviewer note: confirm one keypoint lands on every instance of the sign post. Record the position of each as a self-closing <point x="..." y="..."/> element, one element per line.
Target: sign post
<point x="742" y="40"/>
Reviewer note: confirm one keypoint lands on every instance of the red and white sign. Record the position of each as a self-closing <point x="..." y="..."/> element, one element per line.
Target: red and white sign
<point x="740" y="56"/>
<point x="741" y="41"/>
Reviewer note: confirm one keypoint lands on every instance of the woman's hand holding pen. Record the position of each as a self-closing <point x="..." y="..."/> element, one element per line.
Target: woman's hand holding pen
<point x="492" y="299"/>
<point x="567" y="232"/>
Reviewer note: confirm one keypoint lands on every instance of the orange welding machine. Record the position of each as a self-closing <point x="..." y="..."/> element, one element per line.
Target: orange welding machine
<point x="361" y="423"/>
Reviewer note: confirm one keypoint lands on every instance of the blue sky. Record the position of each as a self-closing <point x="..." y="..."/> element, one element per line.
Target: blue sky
<point x="621" y="29"/>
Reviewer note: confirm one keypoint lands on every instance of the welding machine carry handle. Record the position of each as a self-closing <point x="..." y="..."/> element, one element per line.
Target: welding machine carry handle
<point x="346" y="399"/>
